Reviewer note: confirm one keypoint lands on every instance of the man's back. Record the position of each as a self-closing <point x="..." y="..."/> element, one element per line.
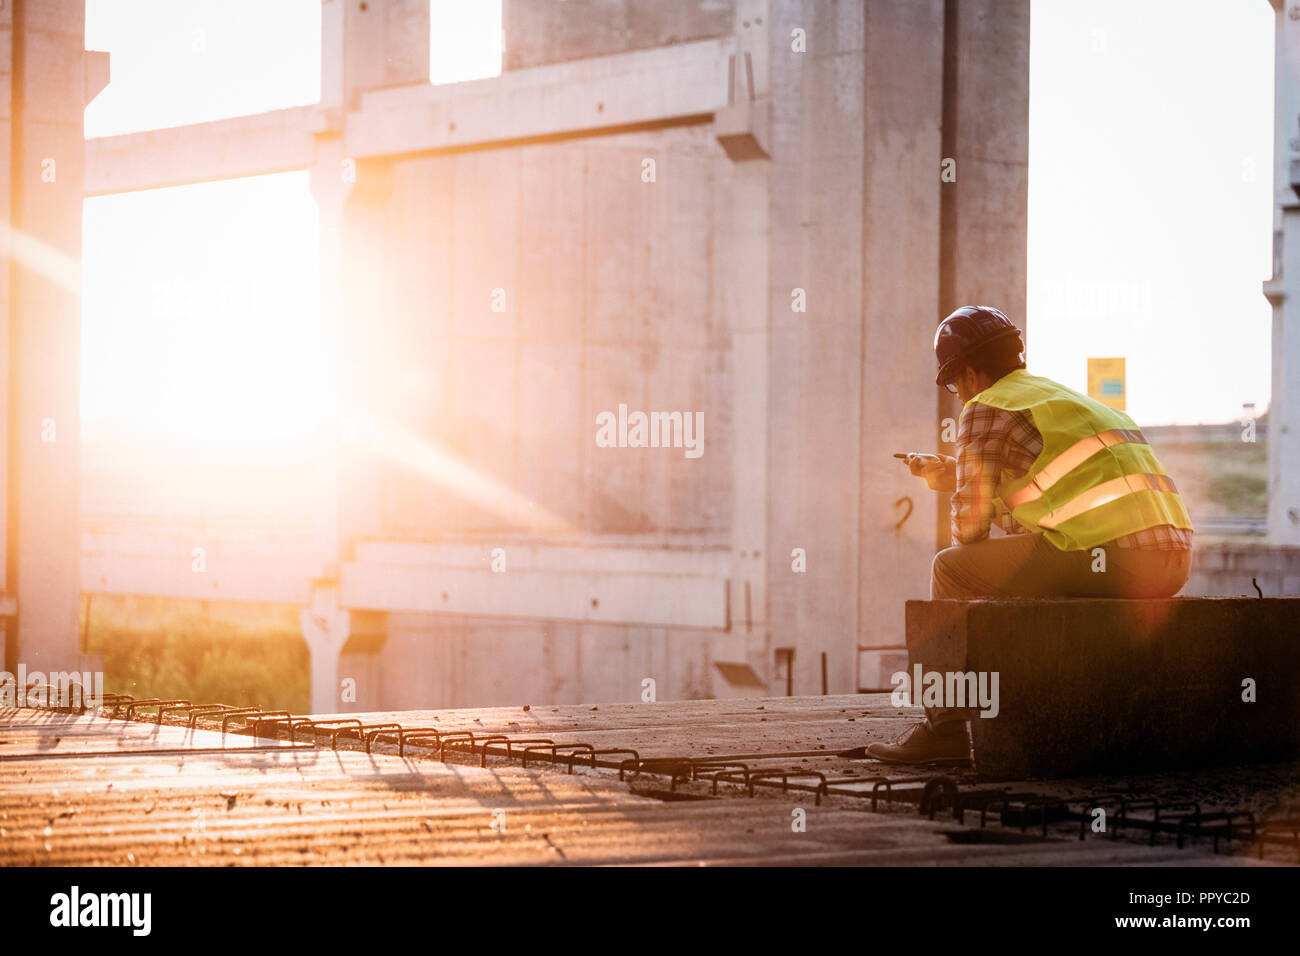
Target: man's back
<point x="1040" y="457"/>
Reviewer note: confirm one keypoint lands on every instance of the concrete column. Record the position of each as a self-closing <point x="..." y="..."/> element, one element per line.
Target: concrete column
<point x="985" y="213"/>
<point x="901" y="218"/>
<point x="371" y="45"/>
<point x="326" y="627"/>
<point x="8" y="633"/>
<point x="351" y="197"/>
<point x="1283" y="290"/>
<point x="744" y="131"/>
<point x="816" y="356"/>
<point x="44" y="64"/>
<point x="986" y="132"/>
<point x="883" y="249"/>
<point x="330" y="190"/>
<point x="364" y="46"/>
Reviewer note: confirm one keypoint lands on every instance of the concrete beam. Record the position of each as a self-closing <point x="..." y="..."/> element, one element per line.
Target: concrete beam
<point x="273" y="142"/>
<point x="669" y="85"/>
<point x="588" y="97"/>
<point x="595" y="556"/>
<point x="651" y="586"/>
<point x="654" y="587"/>
<point x="245" y="569"/>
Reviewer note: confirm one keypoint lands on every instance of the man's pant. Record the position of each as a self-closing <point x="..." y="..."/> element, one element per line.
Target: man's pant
<point x="1028" y="565"/>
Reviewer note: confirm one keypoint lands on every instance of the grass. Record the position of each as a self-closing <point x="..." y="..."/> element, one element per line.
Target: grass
<point x="205" y="652"/>
<point x="1219" y="478"/>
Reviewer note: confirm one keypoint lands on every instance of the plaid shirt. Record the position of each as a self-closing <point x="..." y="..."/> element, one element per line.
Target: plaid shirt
<point x="994" y="445"/>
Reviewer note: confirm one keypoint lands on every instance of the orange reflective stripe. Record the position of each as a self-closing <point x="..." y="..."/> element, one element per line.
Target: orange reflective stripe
<point x="1068" y="460"/>
<point x="1105" y="493"/>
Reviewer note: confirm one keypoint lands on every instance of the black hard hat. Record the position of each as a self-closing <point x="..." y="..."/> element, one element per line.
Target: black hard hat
<point x="969" y="328"/>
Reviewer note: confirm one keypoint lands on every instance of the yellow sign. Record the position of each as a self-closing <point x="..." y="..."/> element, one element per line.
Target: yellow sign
<point x="1106" y="381"/>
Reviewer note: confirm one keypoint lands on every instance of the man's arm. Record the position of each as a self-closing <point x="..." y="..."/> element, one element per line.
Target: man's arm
<point x="981" y="441"/>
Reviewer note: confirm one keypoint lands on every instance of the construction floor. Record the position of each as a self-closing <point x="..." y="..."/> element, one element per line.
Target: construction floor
<point x="671" y="784"/>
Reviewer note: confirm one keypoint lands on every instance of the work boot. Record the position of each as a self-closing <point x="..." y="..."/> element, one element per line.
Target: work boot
<point x="927" y="744"/>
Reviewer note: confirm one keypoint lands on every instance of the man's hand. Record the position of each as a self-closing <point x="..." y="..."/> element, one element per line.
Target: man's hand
<point x="939" y="471"/>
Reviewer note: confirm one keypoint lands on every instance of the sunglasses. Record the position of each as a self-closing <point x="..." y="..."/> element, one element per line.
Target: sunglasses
<point x="951" y="386"/>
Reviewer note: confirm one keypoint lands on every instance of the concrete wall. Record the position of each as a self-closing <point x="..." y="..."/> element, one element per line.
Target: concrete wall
<point x="490" y="300"/>
<point x="618" y="290"/>
<point x="607" y="296"/>
<point x="544" y="31"/>
<point x="523" y="291"/>
<point x="1226" y="571"/>
<point x="610" y="297"/>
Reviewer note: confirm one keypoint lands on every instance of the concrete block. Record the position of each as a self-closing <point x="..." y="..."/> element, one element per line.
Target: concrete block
<point x="744" y="130"/>
<point x="1096" y="686"/>
<point x="97" y="73"/>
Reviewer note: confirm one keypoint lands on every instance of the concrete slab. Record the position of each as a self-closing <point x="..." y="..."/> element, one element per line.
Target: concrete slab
<point x="64" y="800"/>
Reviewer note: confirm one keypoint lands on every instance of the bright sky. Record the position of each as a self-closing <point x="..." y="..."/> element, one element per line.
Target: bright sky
<point x="201" y="302"/>
<point x="1150" y="199"/>
<point x="1149" y="210"/>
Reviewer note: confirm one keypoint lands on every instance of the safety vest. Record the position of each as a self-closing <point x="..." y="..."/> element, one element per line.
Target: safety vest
<point x="1096" y="479"/>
